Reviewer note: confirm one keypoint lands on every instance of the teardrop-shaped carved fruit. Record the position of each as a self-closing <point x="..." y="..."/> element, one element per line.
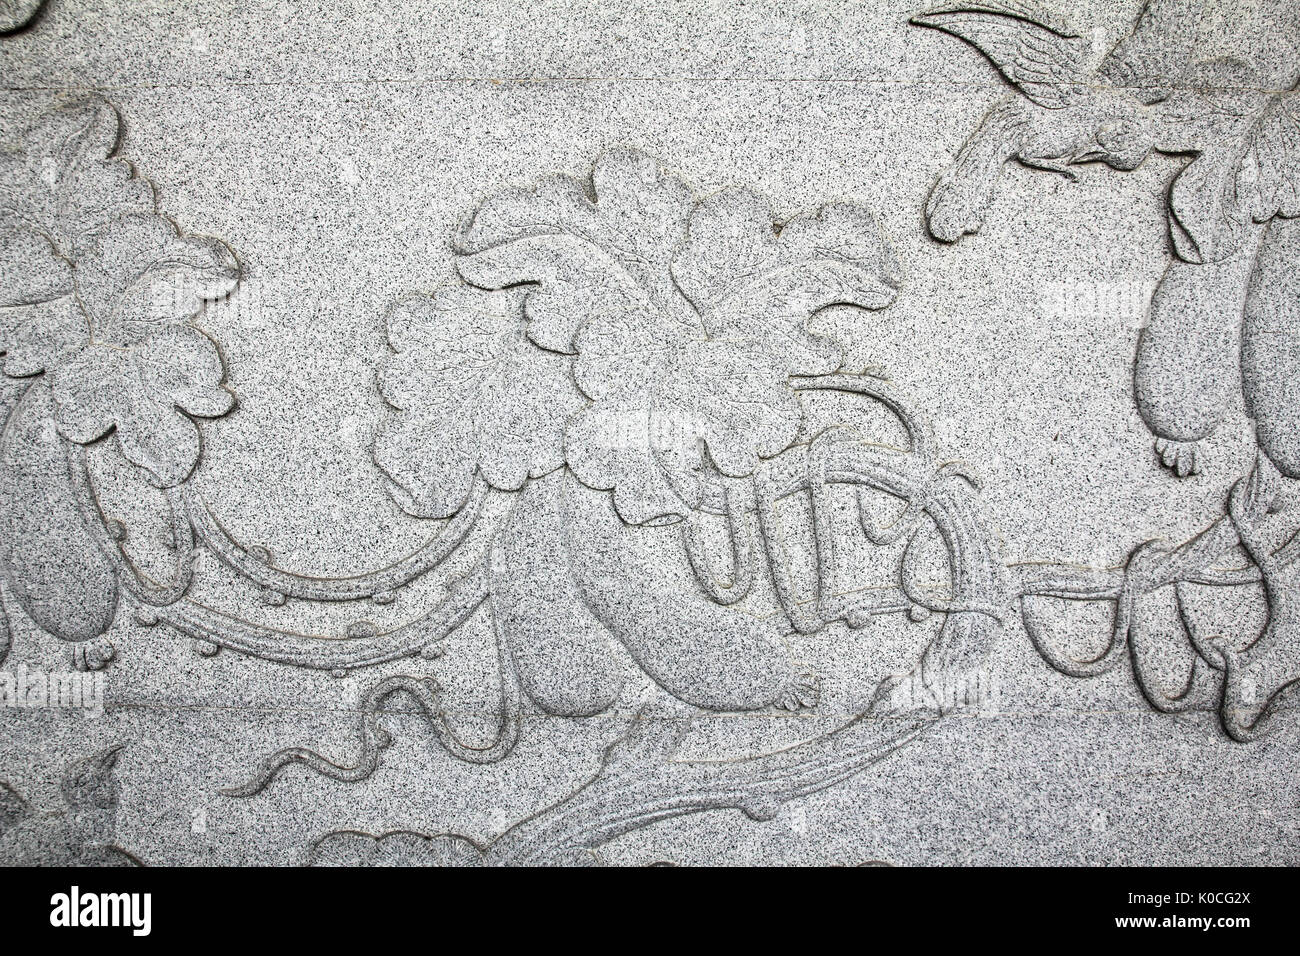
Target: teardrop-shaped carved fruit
<point x="1187" y="357"/>
<point x="700" y="652"/>
<point x="1270" y="348"/>
<point x="562" y="653"/>
<point x="57" y="572"/>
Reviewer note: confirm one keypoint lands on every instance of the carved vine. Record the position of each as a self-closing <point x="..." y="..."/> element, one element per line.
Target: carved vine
<point x="632" y="365"/>
<point x="625" y="359"/>
<point x="1222" y="319"/>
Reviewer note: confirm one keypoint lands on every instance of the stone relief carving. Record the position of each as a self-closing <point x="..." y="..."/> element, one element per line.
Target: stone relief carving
<point x="639" y="783"/>
<point x="99" y="292"/>
<point x="1222" y="318"/>
<point x="80" y="834"/>
<point x="629" y="362"/>
<point x="648" y="376"/>
<point x="631" y="367"/>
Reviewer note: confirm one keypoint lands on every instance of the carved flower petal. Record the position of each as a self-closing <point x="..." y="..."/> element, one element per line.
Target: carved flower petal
<point x="611" y="445"/>
<point x="624" y="356"/>
<point x="184" y="366"/>
<point x="137" y="272"/>
<point x="30" y="269"/>
<point x="648" y="443"/>
<point x="65" y="180"/>
<point x="88" y="389"/>
<point x="158" y="438"/>
<point x="471" y="394"/>
<point x="141" y="393"/>
<point x="579" y="284"/>
<point x="430" y="474"/>
<point x="738" y="394"/>
<point x="749" y="282"/>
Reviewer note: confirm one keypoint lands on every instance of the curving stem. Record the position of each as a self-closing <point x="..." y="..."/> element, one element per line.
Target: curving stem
<point x="424" y="559"/>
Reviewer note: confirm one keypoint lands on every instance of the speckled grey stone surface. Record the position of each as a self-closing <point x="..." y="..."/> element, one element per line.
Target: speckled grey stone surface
<point x="707" y="433"/>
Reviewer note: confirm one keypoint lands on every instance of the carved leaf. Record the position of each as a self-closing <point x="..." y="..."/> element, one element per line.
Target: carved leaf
<point x="1269" y="172"/>
<point x="65" y="181"/>
<point x="35" y="338"/>
<point x="141" y="392"/>
<point x="39" y="318"/>
<point x="648" y="440"/>
<point x="1219" y="195"/>
<point x="31" y="271"/>
<point x="749" y="282"/>
<point x="595" y="260"/>
<point x="137" y="272"/>
<point x="473" y="394"/>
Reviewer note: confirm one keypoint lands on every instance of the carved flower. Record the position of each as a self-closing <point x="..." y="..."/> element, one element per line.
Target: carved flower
<point x="99" y="290"/>
<point x="750" y="281"/>
<point x="472" y="394"/>
<point x="684" y="318"/>
<point x="652" y="351"/>
<point x="662" y="418"/>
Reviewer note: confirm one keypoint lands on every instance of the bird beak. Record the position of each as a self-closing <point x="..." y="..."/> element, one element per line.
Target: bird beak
<point x="108" y="758"/>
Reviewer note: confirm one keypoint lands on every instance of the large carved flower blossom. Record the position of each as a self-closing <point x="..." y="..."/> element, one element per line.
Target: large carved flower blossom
<point x="98" y="291"/>
<point x="657" y="336"/>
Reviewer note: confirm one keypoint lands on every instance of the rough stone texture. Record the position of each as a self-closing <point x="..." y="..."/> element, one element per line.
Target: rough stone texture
<point x="704" y="433"/>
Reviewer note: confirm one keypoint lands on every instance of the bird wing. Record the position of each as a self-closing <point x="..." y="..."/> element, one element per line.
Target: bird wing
<point x="1046" y="63"/>
<point x="13" y="808"/>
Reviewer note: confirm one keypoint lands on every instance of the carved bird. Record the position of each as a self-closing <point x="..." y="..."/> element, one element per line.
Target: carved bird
<point x="1070" y="110"/>
<point x="81" y="834"/>
<point x="1216" y="82"/>
<point x="1185" y="82"/>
